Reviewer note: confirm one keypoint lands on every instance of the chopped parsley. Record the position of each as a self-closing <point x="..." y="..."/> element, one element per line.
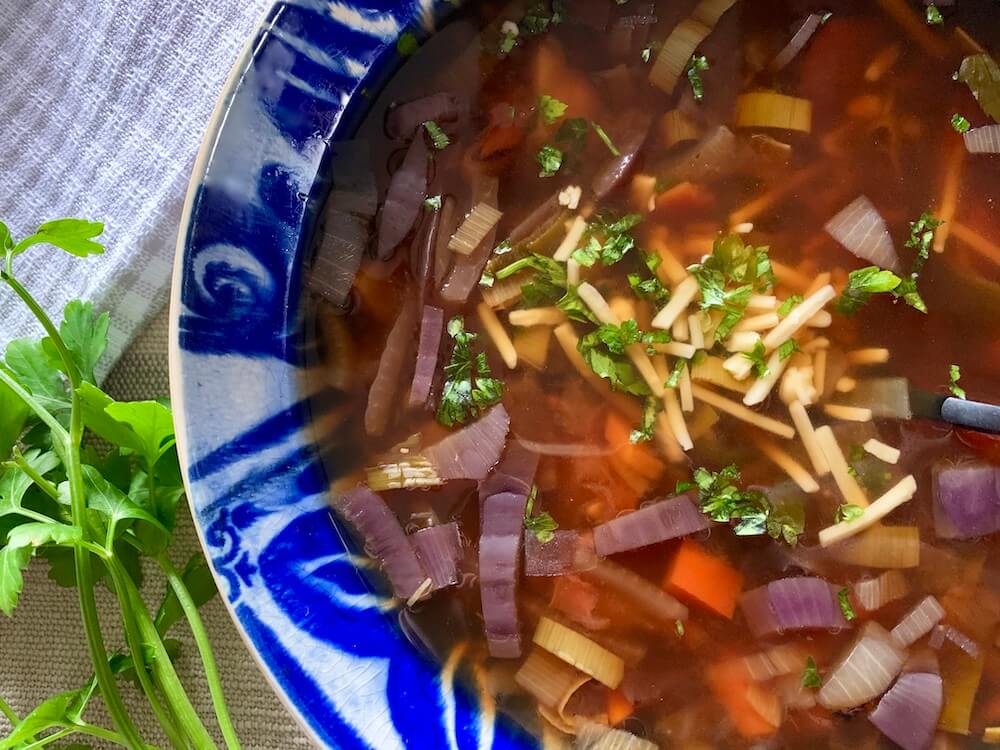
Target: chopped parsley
<point x="433" y="203"/>
<point x="810" y="675"/>
<point x="729" y="276"/>
<point x="751" y="512"/>
<point x="920" y="239"/>
<point x="644" y="432"/>
<point x="982" y="75"/>
<point x="607" y="239"/>
<point x="674" y="379"/>
<point x="605" y="139"/>
<point x="934" y="17"/>
<point x="551" y="108"/>
<point x="650" y="289"/>
<point x="848" y="512"/>
<point x="438" y="137"/>
<point x="407" y="44"/>
<point x="550" y="159"/>
<point x="787" y="349"/>
<point x="487" y="280"/>
<point x="507" y="42"/>
<point x="543" y="15"/>
<point x="468" y="387"/>
<point x="758" y="358"/>
<point x="960" y="124"/>
<point x="603" y="351"/>
<point x="843" y="598"/>
<point x="789" y="304"/>
<point x="862" y="284"/>
<point x="696" y="65"/>
<point x="954" y="373"/>
<point x="543" y="526"/>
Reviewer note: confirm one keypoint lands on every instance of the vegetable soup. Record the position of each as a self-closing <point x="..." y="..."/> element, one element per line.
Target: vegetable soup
<point x="640" y="316"/>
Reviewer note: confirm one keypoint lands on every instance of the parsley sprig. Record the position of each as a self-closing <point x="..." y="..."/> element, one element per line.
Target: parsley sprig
<point x="604" y="350"/>
<point x="608" y="239"/>
<point x="542" y="525"/>
<point x="695" y="67"/>
<point x="730" y="276"/>
<point x="954" y="373"/>
<point x="469" y="389"/>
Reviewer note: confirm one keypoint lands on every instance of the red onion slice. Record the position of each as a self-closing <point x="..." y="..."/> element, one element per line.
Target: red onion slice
<point x="471" y="452"/>
<point x="864" y="672"/>
<point x="499" y="557"/>
<point x="663" y="520"/>
<point x="860" y="228"/>
<point x="908" y="714"/>
<point x="514" y="473"/>
<point x="431" y="327"/>
<point x="629" y="144"/>
<point x="984" y="140"/>
<point x="798" y="41"/>
<point x="439" y="548"/>
<point x="403" y="200"/>
<point x="384" y="537"/>
<point x="391" y="370"/>
<point x="567" y="552"/>
<point x="792" y="604"/>
<point x="966" y="500"/>
<point x="402" y="121"/>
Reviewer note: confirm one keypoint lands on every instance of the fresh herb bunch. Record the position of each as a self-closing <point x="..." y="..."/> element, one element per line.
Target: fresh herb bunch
<point x="94" y="515"/>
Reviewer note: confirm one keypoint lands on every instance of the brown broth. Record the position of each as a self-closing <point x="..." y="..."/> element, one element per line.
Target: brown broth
<point x="897" y="157"/>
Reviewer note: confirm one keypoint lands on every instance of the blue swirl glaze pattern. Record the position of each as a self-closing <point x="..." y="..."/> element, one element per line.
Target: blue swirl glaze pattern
<point x="324" y="637"/>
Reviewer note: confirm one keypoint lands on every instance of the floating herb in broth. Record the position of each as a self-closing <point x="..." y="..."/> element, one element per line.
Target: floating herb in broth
<point x="694" y="255"/>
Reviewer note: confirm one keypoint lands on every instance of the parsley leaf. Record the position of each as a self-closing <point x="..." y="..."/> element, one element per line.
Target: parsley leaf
<point x="507" y="42"/>
<point x="729" y="276"/>
<point x="605" y="139"/>
<point x="758" y="358"/>
<point x="550" y="159"/>
<point x="752" y="513"/>
<point x="551" y="108"/>
<point x="543" y="525"/>
<point x="433" y="203"/>
<point x="571" y="138"/>
<point x="407" y="44"/>
<point x="960" y="124"/>
<point x="85" y="336"/>
<point x="75" y="236"/>
<point x="674" y="379"/>
<point x="644" y="432"/>
<point x="954" y="373"/>
<point x="608" y="239"/>
<point x="469" y="388"/>
<point x="789" y="304"/>
<point x="843" y="598"/>
<point x="787" y="349"/>
<point x="614" y="367"/>
<point x="810" y="675"/>
<point x="650" y="289"/>
<point x="862" y="284"/>
<point x="921" y="237"/>
<point x="696" y="65"/>
<point x="439" y="138"/>
<point x="934" y="17"/>
<point x="848" y="512"/>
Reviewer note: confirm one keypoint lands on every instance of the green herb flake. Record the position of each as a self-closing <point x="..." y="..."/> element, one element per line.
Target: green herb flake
<point x="433" y="203"/>
<point x="439" y="138"/>
<point x="551" y="108"/>
<point x="679" y="628"/>
<point x="751" y="511"/>
<point x="487" y="280"/>
<point x="695" y="67"/>
<point x="730" y="276"/>
<point x="960" y="124"/>
<point x="934" y="17"/>
<point x="407" y="44"/>
<point x="848" y="512"/>
<point x="758" y="358"/>
<point x="862" y="284"/>
<point x="954" y="373"/>
<point x="844" y="599"/>
<point x="507" y="42"/>
<point x="787" y="349"/>
<point x="550" y="159"/>
<point x="469" y="389"/>
<point x="674" y="379"/>
<point x="810" y="675"/>
<point x="543" y="526"/>
<point x="606" y="139"/>
<point x="644" y="432"/>
<point x="789" y="304"/>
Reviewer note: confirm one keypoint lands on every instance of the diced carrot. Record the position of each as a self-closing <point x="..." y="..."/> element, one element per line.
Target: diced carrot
<point x="636" y="456"/>
<point x="554" y="74"/>
<point x="684" y="201"/>
<point x="734" y="690"/>
<point x="703" y="578"/>
<point x="619" y="707"/>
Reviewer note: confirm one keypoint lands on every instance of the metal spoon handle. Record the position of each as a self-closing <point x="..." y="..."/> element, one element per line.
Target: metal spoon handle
<point x="974" y="414"/>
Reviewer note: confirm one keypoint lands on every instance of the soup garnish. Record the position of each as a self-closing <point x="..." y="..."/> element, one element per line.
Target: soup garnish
<point x="632" y="301"/>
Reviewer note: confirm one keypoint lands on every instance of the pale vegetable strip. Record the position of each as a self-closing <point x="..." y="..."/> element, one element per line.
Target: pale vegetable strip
<point x="683" y="294"/>
<point x="572" y="272"/>
<point x="669" y="270"/>
<point x="820" y="342"/>
<point x="675" y="417"/>
<point x="536" y="316"/>
<point x="819" y="372"/>
<point x="819" y="282"/>
<point x="949" y="195"/>
<point x="761" y="322"/>
<point x="636" y="352"/>
<point x="675" y="53"/>
<point x="498" y="334"/>
<point x="880" y="547"/>
<point x="798" y="317"/>
<point x="479" y="223"/>
<point x="871" y="356"/>
<point x="676" y="349"/>
<point x="976" y="241"/>
<point x="549" y="679"/>
<point x="697" y="335"/>
<point x="739" y="411"/>
<point x="571" y="241"/>
<point x="882" y="451"/>
<point x="738" y="366"/>
<point x="504" y="291"/>
<point x="795" y="471"/>
<point x="711" y="370"/>
<point x="822" y="319"/>
<point x="742" y="341"/>
<point x="666" y="439"/>
<point x="845" y="384"/>
<point x="769" y="109"/>
<point x="679" y="330"/>
<point x="568" y="341"/>
<point x="762" y="303"/>
<point x="763" y="386"/>
<point x="902" y="492"/>
<point x="580" y="652"/>
<point x="800" y="417"/>
<point x="684" y="388"/>
<point x="848" y="413"/>
<point x="848" y="486"/>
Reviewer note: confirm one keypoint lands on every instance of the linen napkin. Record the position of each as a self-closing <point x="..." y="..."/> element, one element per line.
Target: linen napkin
<point x="103" y="104"/>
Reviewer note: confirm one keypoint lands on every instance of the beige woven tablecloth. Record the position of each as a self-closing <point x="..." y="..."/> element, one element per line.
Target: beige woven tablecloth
<point x="42" y="650"/>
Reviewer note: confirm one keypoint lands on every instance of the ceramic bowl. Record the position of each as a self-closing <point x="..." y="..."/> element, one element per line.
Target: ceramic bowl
<point x="255" y="480"/>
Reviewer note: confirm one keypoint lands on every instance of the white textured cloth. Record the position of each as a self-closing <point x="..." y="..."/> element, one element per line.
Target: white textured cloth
<point x="103" y="104"/>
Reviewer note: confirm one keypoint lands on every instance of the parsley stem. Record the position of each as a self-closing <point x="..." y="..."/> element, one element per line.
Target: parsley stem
<point x="47" y="740"/>
<point x="204" y="648"/>
<point x="59" y="434"/>
<point x="9" y="712"/>
<point x="104" y="734"/>
<point x="43" y="484"/>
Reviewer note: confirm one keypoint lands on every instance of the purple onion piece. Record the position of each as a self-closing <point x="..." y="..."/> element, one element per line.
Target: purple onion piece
<point x="439" y="548"/>
<point x="384" y="537"/>
<point x="567" y="552"/>
<point x="403" y="120"/>
<point x="431" y="327"/>
<point x="792" y="604"/>
<point x="966" y="500"/>
<point x="392" y="368"/>
<point x="499" y="558"/>
<point x="984" y="140"/>
<point x="403" y="200"/>
<point x="471" y="452"/>
<point x="860" y="228"/>
<point x="514" y="473"/>
<point x="666" y="519"/>
<point x="798" y="41"/>
<point x="423" y="252"/>
<point x="629" y="143"/>
<point x="908" y="713"/>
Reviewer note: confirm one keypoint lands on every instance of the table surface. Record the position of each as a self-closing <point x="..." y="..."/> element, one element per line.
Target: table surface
<point x="42" y="649"/>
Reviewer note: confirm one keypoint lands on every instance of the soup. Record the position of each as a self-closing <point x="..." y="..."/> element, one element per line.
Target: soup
<point x="640" y="314"/>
